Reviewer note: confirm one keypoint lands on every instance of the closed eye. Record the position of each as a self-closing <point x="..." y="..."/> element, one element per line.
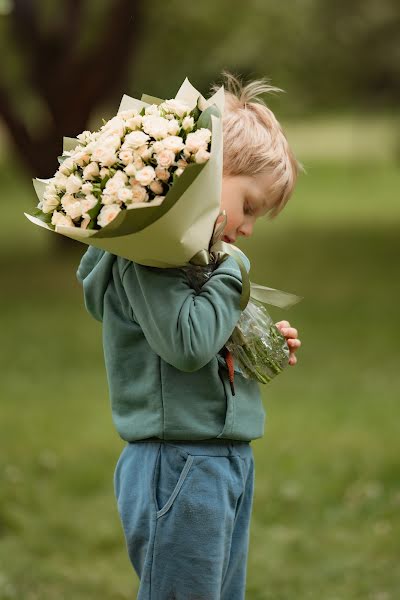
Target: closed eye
<point x="248" y="209"/>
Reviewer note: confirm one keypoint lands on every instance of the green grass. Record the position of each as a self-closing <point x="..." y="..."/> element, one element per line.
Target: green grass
<point x="326" y="507"/>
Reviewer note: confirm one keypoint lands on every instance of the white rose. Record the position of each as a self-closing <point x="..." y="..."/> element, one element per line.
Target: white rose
<point x="125" y="194"/>
<point x="144" y="152"/>
<point x="128" y="114"/>
<point x="195" y="141"/>
<point x="162" y="173"/>
<point x="75" y="210"/>
<point x="152" y="109"/>
<point x="73" y="184"/>
<point x="67" y="166"/>
<point x="58" y="218"/>
<point x="104" y="155"/>
<point x="139" y="193"/>
<point x="87" y="188"/>
<point x="158" y="146"/>
<point x="204" y="134"/>
<point x="174" y="143"/>
<point x="91" y="146"/>
<point x="173" y="127"/>
<point x="91" y="171"/>
<point x="82" y="157"/>
<point x="126" y="156"/>
<point x="72" y="206"/>
<point x="111" y="142"/>
<point x="175" y="106"/>
<point x="85" y="136"/>
<point x="165" y="158"/>
<point x="109" y="159"/>
<point x="135" y="139"/>
<point x="104" y="172"/>
<point x="138" y="163"/>
<point x="188" y="123"/>
<point x="108" y="199"/>
<point x="201" y="156"/>
<point x="49" y="203"/>
<point x="156" y="187"/>
<point x="121" y="176"/>
<point x="145" y="176"/>
<point x="116" y="125"/>
<point x="88" y="203"/>
<point x="51" y="188"/>
<point x="60" y="180"/>
<point x="157" y="127"/>
<point x="134" y="123"/>
<point x="108" y="214"/>
<point x="131" y="169"/>
<point x="115" y="183"/>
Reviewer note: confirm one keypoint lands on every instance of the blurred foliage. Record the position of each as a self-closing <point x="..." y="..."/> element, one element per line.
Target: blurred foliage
<point x="62" y="71"/>
<point x="328" y="56"/>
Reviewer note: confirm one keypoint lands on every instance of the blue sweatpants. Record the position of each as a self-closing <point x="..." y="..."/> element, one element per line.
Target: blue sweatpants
<point x="185" y="509"/>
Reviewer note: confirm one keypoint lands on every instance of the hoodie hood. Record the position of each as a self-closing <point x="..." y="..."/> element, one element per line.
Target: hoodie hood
<point x="94" y="273"/>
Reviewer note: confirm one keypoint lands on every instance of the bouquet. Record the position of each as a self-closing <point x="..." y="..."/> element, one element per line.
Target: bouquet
<point x="133" y="159"/>
<point x="147" y="185"/>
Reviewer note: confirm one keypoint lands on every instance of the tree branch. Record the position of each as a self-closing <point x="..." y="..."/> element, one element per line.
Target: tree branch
<point x="16" y="128"/>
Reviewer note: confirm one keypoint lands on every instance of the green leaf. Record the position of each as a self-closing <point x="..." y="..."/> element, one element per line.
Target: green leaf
<point x="205" y="117"/>
<point x="196" y="112"/>
<point x="93" y="212"/>
<point x="45" y="217"/>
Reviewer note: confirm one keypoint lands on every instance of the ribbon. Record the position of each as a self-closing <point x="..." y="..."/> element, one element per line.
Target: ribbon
<point x="220" y="251"/>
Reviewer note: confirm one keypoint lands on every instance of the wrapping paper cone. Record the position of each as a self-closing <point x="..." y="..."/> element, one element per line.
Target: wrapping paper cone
<point x="166" y="233"/>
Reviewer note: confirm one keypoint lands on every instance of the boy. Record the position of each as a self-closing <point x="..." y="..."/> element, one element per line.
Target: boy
<point x="184" y="480"/>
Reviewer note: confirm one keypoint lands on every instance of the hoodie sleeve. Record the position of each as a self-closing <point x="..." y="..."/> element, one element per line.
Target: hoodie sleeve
<point x="88" y="261"/>
<point x="185" y="328"/>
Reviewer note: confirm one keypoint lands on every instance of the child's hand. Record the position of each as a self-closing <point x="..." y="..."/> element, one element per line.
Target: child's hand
<point x="293" y="342"/>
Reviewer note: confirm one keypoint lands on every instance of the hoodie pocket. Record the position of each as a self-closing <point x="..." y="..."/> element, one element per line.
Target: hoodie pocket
<point x="170" y="473"/>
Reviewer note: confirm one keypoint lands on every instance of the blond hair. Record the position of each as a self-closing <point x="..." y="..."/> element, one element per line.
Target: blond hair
<point x="254" y="141"/>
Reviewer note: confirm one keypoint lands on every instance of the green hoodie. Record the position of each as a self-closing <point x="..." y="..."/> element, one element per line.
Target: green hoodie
<point x="161" y="342"/>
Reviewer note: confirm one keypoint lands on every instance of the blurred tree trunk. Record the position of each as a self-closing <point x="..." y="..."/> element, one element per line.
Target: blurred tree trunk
<point x="69" y="81"/>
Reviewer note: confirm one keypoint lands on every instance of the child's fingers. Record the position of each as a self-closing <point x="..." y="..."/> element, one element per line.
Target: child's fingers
<point x="294" y="343"/>
<point x="289" y="332"/>
<point x="282" y="324"/>
<point x="292" y="360"/>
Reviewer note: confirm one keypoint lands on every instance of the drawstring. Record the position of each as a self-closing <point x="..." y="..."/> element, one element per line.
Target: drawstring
<point x="230" y="366"/>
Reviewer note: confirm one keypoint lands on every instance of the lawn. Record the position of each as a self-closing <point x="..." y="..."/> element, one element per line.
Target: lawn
<point x="326" y="520"/>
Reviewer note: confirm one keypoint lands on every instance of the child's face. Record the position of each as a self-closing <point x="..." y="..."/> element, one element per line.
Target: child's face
<point x="245" y="198"/>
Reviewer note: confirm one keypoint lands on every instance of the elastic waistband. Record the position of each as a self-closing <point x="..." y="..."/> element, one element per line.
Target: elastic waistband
<point x="208" y="441"/>
<point x="210" y="447"/>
